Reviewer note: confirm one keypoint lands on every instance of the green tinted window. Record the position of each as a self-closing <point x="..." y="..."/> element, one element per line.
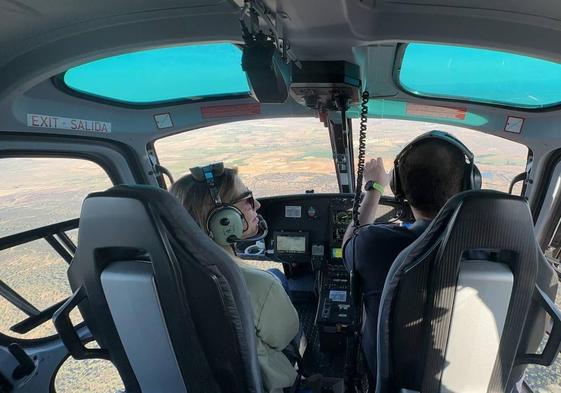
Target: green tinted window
<point x="167" y="74"/>
<point x="480" y="75"/>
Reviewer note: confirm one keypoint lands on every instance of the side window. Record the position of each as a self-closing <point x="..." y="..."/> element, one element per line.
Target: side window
<point x="89" y="375"/>
<point x="34" y="193"/>
<point x="40" y="202"/>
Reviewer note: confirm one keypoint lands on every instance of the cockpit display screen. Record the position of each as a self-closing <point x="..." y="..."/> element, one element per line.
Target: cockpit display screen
<point x="291" y="244"/>
<point x="337" y="252"/>
<point x="343" y="217"/>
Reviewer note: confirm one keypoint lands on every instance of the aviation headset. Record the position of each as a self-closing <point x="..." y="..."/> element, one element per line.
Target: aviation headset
<point x="225" y="223"/>
<point x="472" y="176"/>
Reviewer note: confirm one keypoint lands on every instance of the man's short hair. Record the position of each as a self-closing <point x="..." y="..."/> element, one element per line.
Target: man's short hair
<point x="431" y="173"/>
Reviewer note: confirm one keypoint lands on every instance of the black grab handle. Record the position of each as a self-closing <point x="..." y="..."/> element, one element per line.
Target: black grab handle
<point x="67" y="332"/>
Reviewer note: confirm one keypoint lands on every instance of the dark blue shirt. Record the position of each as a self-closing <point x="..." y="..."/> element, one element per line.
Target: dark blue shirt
<point x="373" y="249"/>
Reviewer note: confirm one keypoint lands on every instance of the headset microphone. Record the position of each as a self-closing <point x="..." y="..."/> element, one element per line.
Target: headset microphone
<point x="262" y="230"/>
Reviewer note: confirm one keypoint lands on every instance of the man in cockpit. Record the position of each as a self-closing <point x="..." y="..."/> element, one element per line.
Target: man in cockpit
<point x="431" y="170"/>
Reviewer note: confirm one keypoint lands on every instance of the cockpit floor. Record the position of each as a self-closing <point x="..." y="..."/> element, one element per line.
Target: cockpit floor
<point x="329" y="364"/>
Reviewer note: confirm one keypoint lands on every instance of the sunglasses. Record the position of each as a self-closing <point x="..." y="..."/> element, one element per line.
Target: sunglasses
<point x="246" y="196"/>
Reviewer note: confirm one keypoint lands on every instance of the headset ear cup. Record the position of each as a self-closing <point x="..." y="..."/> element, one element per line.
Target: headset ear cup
<point x="395" y="184"/>
<point x="392" y="181"/>
<point x="225" y="224"/>
<point x="472" y="178"/>
<point x="476" y="178"/>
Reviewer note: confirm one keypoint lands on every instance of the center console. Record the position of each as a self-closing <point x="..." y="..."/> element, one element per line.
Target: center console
<point x="306" y="235"/>
<point x="335" y="313"/>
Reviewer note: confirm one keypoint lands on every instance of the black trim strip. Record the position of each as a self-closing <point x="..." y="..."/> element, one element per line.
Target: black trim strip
<point x="384" y="200"/>
<point x="68" y="243"/>
<point x="33" y="321"/>
<point x="59" y="248"/>
<point x="17" y="300"/>
<point x="37" y="233"/>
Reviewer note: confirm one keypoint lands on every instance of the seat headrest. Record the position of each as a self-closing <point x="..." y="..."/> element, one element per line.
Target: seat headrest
<point x="175" y="217"/>
<point x="472" y="220"/>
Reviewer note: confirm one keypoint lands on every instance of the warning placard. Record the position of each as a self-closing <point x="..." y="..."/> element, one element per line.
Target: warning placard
<point x="440" y="112"/>
<point x="230" y="110"/>
<point x="67" y="123"/>
<point x="514" y="124"/>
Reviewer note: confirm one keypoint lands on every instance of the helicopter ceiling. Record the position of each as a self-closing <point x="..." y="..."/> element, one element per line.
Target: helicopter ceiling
<point x="40" y="39"/>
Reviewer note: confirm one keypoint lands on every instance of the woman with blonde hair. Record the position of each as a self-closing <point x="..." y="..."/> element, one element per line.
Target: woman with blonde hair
<point x="225" y="209"/>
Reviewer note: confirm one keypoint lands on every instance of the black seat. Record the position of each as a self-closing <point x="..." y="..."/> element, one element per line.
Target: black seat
<point x="464" y="307"/>
<point x="166" y="305"/>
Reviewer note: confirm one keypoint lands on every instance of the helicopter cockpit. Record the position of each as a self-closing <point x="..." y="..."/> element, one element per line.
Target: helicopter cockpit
<point x="103" y="106"/>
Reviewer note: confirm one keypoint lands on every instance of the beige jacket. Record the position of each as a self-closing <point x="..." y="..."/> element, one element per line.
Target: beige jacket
<point x="276" y="324"/>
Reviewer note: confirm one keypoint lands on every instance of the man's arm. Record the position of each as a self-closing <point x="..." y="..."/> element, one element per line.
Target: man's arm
<point x="373" y="170"/>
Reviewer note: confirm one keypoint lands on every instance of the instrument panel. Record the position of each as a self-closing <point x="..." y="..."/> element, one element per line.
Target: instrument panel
<point x="309" y="227"/>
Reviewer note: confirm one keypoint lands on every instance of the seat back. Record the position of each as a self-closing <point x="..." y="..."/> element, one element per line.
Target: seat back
<point x="168" y="306"/>
<point x="453" y="313"/>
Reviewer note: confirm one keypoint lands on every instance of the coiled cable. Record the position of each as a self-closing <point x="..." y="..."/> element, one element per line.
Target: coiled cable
<point x="361" y="156"/>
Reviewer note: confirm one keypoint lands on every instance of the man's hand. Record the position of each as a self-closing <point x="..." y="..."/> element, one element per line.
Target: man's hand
<point x="374" y="170"/>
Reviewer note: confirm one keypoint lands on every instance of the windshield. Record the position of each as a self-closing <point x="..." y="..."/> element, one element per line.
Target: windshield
<point x="498" y="159"/>
<point x="273" y="156"/>
<point x="290" y="156"/>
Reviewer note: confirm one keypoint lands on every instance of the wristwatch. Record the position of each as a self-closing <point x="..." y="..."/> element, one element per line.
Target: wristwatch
<point x="372" y="185"/>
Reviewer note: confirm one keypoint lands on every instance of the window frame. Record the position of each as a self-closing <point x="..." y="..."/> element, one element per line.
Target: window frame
<point x="118" y="160"/>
